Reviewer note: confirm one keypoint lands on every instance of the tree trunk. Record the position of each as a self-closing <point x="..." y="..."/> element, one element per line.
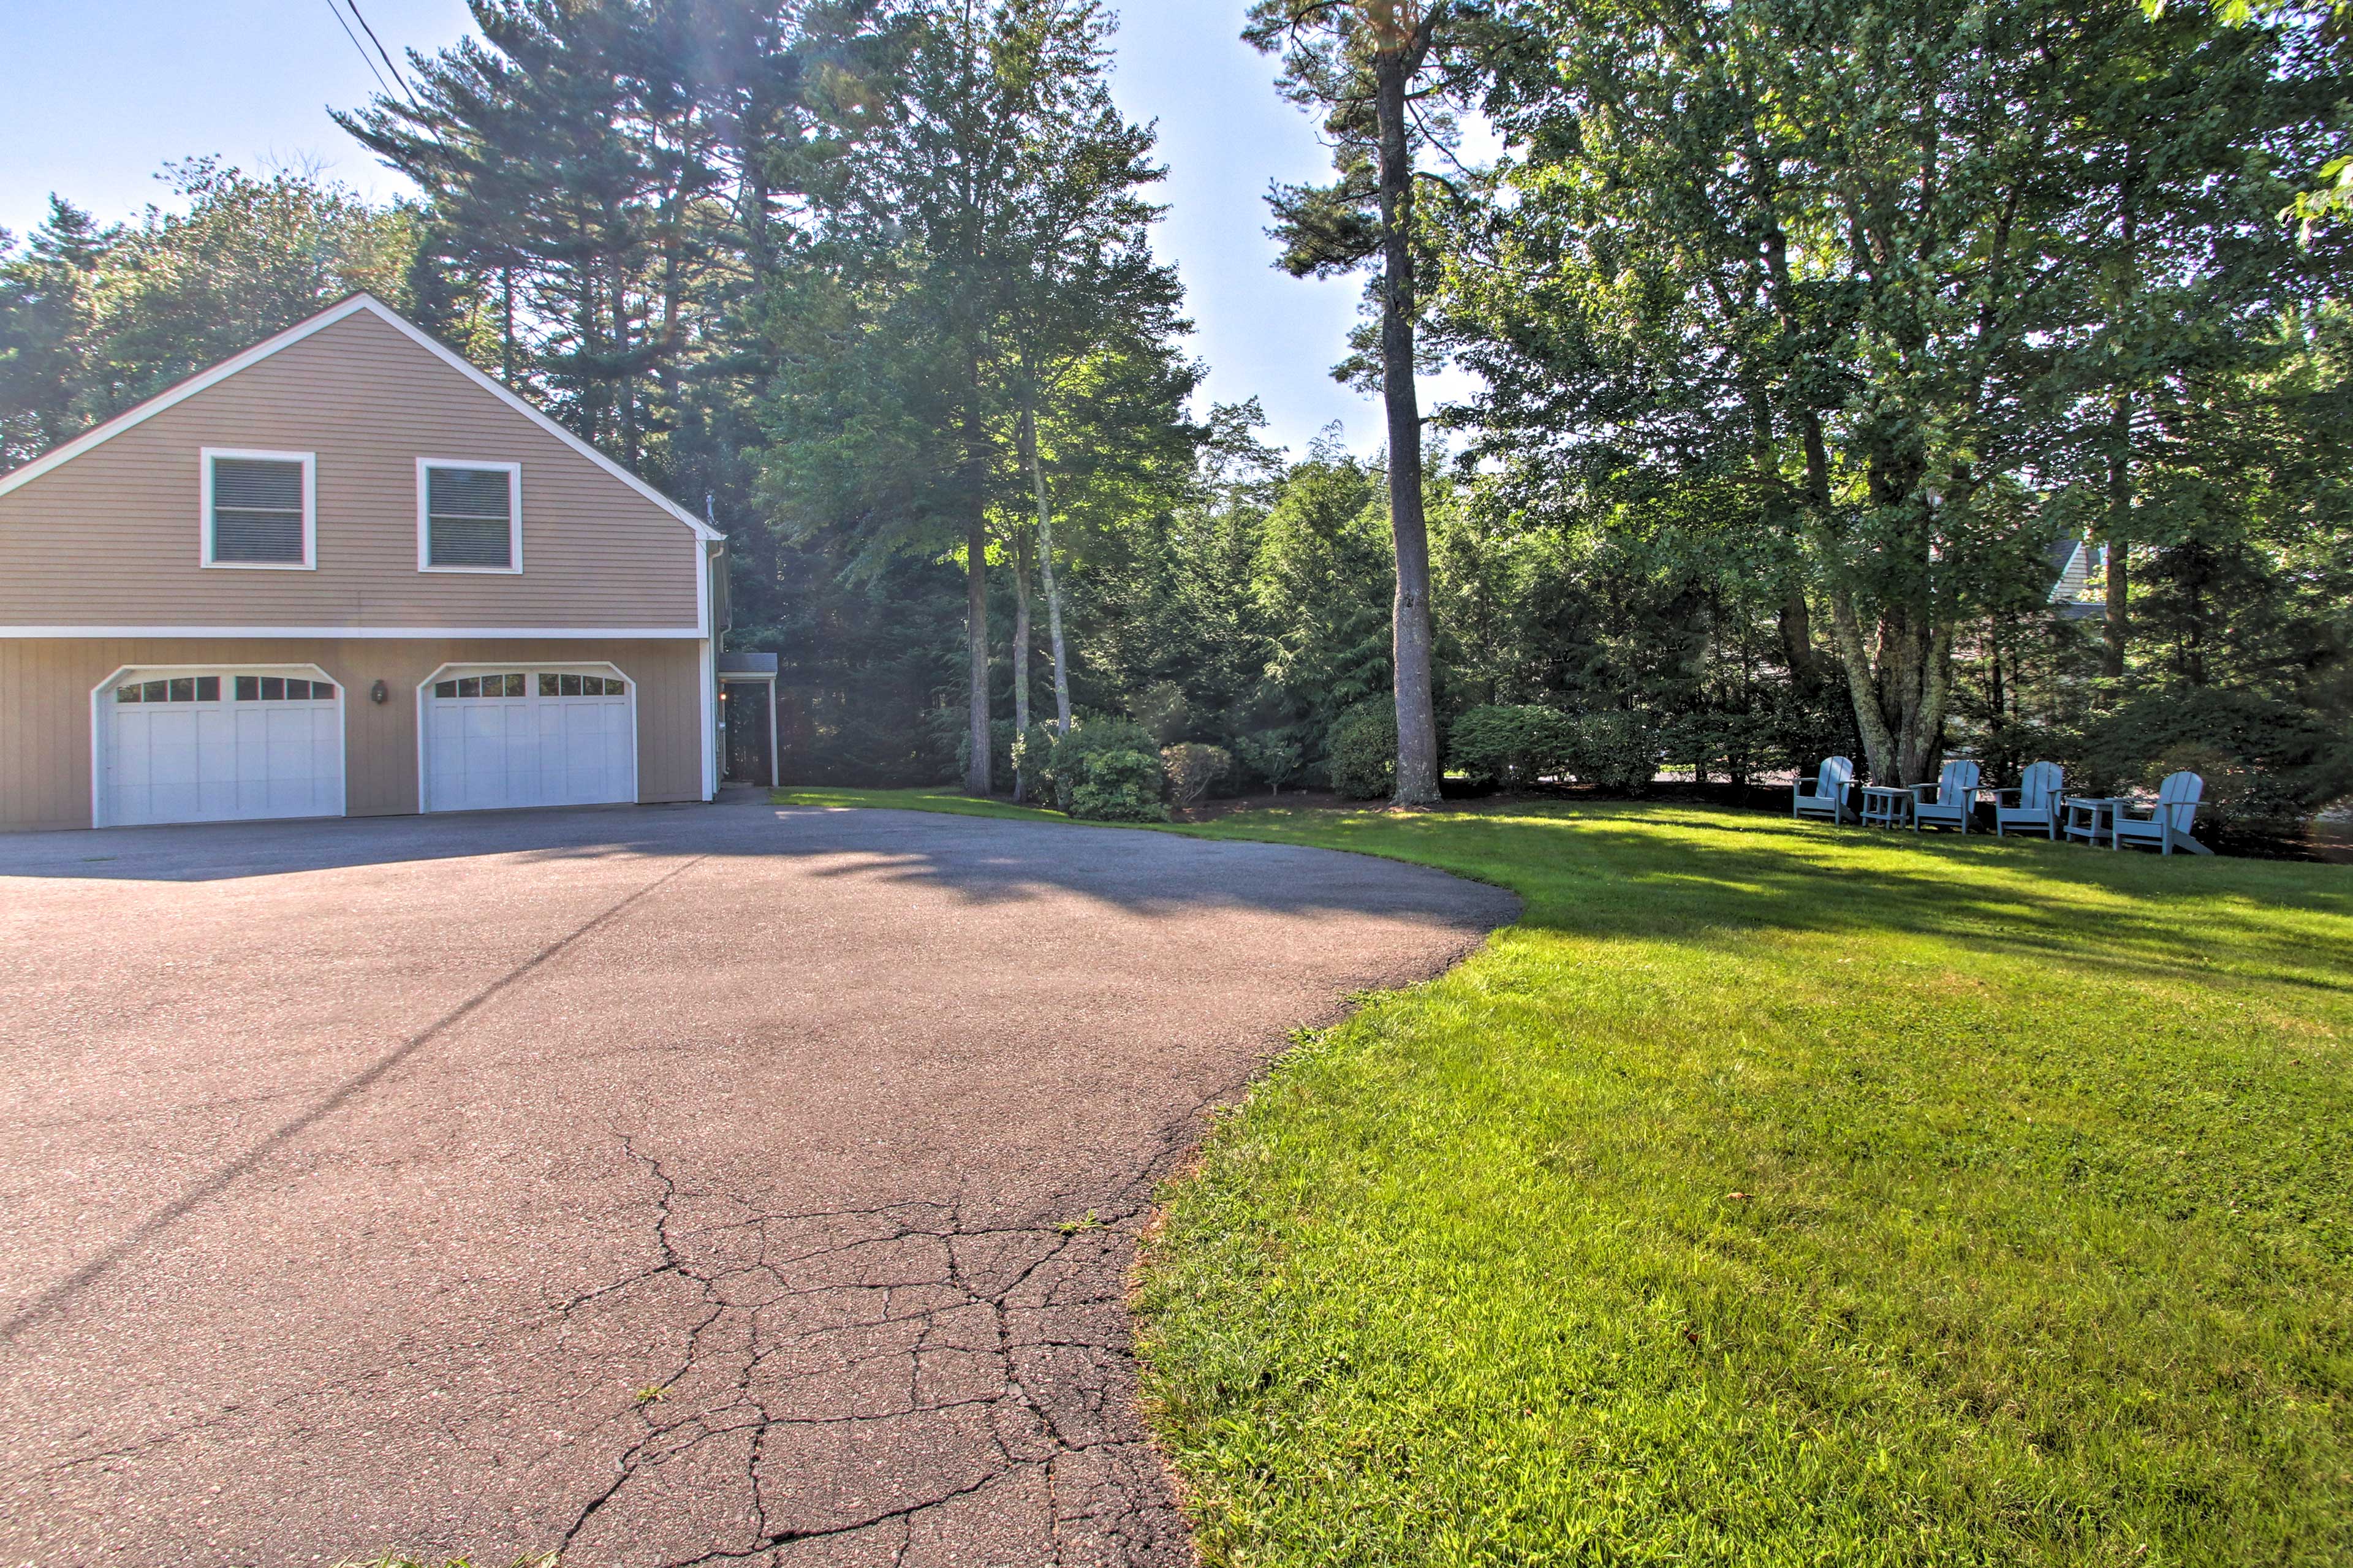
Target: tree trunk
<point x="1795" y="618"/>
<point x="624" y="389"/>
<point x="506" y="327"/>
<point x="976" y="779"/>
<point x="975" y="772"/>
<point x="2118" y="530"/>
<point x="1045" y="556"/>
<point x="1021" y="658"/>
<point x="1416" y="762"/>
<point x="2117" y="535"/>
<point x="1900" y="698"/>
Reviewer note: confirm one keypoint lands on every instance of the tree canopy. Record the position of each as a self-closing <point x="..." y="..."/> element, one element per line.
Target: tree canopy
<point x="1822" y="348"/>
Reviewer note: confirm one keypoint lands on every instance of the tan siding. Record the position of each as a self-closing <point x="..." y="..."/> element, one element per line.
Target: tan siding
<point x="111" y="538"/>
<point x="45" y="710"/>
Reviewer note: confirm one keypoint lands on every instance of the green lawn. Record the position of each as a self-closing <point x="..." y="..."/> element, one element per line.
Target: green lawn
<point x="1779" y="1195"/>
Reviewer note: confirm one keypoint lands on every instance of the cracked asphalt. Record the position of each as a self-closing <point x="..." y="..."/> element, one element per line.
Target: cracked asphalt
<point x="665" y="1185"/>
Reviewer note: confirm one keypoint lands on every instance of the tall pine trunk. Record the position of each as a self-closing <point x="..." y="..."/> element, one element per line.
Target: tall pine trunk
<point x="1045" y="554"/>
<point x="2117" y="528"/>
<point x="1417" y="761"/>
<point x="2117" y="533"/>
<point x="1021" y="658"/>
<point x="976" y="605"/>
<point x="976" y="779"/>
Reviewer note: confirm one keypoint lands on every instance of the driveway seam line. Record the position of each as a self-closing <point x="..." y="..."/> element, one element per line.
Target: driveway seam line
<point x="51" y="1300"/>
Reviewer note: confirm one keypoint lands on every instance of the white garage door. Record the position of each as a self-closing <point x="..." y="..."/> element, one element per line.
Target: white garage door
<point x="219" y="746"/>
<point x="528" y="737"/>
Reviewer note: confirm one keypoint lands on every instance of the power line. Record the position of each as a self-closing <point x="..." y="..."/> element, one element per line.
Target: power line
<point x="355" y="37"/>
<point x="380" y="49"/>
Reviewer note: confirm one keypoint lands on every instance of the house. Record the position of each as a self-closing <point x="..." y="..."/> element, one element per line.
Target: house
<point x="2071" y="558"/>
<point x="345" y="573"/>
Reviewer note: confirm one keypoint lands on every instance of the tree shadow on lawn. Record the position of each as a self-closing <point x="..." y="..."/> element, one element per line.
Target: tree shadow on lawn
<point x="1676" y="875"/>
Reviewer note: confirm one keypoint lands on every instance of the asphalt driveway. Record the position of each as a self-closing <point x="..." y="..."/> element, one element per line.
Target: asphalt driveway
<point x="664" y="1185"/>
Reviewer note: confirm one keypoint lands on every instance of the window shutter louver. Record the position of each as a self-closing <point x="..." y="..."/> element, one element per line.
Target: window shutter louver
<point x="470" y="517"/>
<point x="256" y="510"/>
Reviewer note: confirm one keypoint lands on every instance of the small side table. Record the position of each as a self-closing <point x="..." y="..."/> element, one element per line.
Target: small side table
<point x="2090" y="817"/>
<point x="1886" y="806"/>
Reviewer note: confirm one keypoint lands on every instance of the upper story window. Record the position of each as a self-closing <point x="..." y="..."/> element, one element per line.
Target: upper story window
<point x="469" y="516"/>
<point x="260" y="508"/>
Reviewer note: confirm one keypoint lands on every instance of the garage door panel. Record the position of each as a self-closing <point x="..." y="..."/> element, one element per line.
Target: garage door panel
<point x="172" y="748"/>
<point x="527" y="743"/>
<point x="134" y="769"/>
<point x="176" y="754"/>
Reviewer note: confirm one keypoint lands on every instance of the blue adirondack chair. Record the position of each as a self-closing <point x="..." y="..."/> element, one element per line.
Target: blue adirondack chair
<point x="1948" y="802"/>
<point x="2036" y="798"/>
<point x="2166" y="827"/>
<point x="1827" y="797"/>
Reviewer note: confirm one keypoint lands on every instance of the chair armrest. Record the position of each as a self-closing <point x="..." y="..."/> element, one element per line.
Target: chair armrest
<point x="1998" y="794"/>
<point x="1925" y="792"/>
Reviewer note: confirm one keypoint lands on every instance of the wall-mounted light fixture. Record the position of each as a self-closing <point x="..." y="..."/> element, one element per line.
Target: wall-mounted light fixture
<point x="378" y="693"/>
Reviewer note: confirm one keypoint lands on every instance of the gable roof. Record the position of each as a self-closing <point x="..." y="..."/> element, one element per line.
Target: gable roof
<point x="2070" y="561"/>
<point x="172" y="396"/>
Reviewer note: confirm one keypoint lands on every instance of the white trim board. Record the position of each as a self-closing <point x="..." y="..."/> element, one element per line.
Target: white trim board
<point x="710" y="662"/>
<point x="261" y="350"/>
<point x="564" y="634"/>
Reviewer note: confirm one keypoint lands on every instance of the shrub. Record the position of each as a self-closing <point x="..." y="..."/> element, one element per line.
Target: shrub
<point x="1362" y="749"/>
<point x="1077" y="755"/>
<point x="2258" y="756"/>
<point x="1618" y="752"/>
<point x="1273" y="757"/>
<point x="1192" y="768"/>
<point x="1502" y="744"/>
<point x="1032" y="755"/>
<point x="1121" y="786"/>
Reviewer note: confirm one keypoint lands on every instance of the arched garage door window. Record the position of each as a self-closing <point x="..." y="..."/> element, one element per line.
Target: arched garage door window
<point x="517" y="735"/>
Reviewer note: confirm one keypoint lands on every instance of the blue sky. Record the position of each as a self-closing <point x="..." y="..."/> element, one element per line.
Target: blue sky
<point x="100" y="96"/>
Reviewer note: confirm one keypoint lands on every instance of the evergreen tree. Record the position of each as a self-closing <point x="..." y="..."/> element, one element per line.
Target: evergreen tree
<point x="1382" y="71"/>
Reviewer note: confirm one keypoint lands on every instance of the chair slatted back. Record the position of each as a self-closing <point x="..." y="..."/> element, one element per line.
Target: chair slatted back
<point x="1836" y="774"/>
<point x="2039" y="785"/>
<point x="1957" y="784"/>
<point x="2177" y="800"/>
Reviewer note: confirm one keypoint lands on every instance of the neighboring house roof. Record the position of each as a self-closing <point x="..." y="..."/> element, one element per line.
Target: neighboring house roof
<point x="356" y="303"/>
<point x="2071" y="564"/>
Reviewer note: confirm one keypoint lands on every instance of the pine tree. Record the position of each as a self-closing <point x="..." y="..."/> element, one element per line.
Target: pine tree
<point x="1383" y="72"/>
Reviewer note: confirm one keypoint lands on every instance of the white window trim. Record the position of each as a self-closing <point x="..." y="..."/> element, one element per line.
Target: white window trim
<point x="310" y="461"/>
<point x="513" y="472"/>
